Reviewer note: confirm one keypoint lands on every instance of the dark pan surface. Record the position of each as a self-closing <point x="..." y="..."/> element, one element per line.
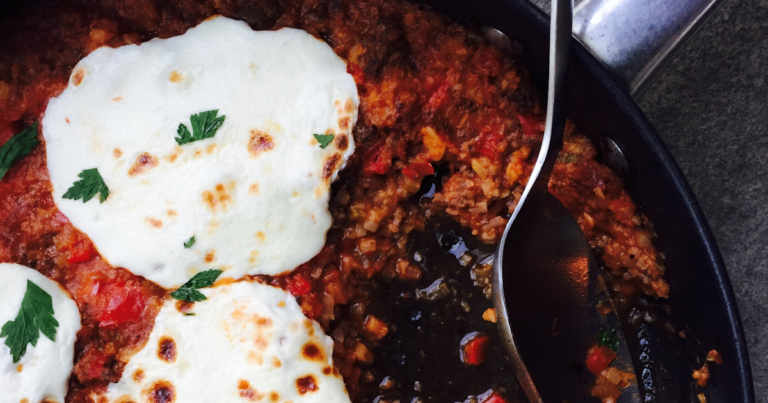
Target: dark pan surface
<point x="702" y="302"/>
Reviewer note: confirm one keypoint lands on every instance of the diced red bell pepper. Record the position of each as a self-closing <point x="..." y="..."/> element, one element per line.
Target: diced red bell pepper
<point x="311" y="305"/>
<point x="495" y="397"/>
<point x="489" y="144"/>
<point x="357" y="72"/>
<point x="598" y="359"/>
<point x="473" y="350"/>
<point x="438" y="97"/>
<point x="378" y="159"/>
<point x="92" y="364"/>
<point x="298" y="285"/>
<point x="532" y="125"/>
<point x="120" y="303"/>
<point x="81" y="253"/>
<point x="418" y="169"/>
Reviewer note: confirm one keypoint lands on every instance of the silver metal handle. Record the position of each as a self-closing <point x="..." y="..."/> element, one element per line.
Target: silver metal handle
<point x="633" y="38"/>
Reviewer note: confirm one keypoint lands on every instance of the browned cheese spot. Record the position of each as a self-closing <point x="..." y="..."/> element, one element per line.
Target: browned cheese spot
<point x="218" y="198"/>
<point x="210" y="256"/>
<point x="154" y="222"/>
<point x="281" y="304"/>
<point x="260" y="142"/>
<point x="173" y="156"/>
<point x="276" y="362"/>
<point x="253" y="189"/>
<point x="247" y="392"/>
<point x="330" y="166"/>
<point x="161" y="392"/>
<point x="342" y="142"/>
<point x="198" y="154"/>
<point x="306" y="384"/>
<point x="166" y="349"/>
<point x="77" y="78"/>
<point x="261" y="342"/>
<point x="19" y="367"/>
<point x="66" y="120"/>
<point x="327" y="371"/>
<point x="349" y="105"/>
<point x="138" y="375"/>
<point x="261" y="321"/>
<point x="117" y="153"/>
<point x="344" y="123"/>
<point x="123" y="399"/>
<point x="143" y="163"/>
<point x="176" y="77"/>
<point x="260" y="236"/>
<point x="25" y="400"/>
<point x="117" y="98"/>
<point x="210" y="148"/>
<point x="313" y="352"/>
<point x="171" y="213"/>
<point x="255" y="358"/>
<point x="273" y="396"/>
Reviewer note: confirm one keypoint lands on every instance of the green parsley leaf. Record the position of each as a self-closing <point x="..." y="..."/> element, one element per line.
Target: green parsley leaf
<point x="90" y="183"/>
<point x="189" y="314"/>
<point x="323" y="139"/>
<point x="607" y="337"/>
<point x="17" y="147"/>
<point x="34" y="317"/>
<point x="188" y="292"/>
<point x="189" y="243"/>
<point x="204" y="126"/>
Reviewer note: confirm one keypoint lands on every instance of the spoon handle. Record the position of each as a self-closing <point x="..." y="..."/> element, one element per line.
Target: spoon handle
<point x="559" y="46"/>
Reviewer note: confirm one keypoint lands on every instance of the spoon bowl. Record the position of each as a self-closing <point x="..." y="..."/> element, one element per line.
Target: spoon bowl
<point x="547" y="290"/>
<point x="546" y="282"/>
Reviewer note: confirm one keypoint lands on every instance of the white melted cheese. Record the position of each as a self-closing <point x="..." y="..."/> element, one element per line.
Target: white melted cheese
<point x="43" y="371"/>
<point x="255" y="196"/>
<point x="247" y="342"/>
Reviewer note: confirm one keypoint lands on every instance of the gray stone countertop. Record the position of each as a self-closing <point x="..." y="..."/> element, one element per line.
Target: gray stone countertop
<point x="710" y="105"/>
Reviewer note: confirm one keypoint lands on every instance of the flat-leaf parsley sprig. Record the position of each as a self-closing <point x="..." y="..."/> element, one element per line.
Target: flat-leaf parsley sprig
<point x="607" y="337"/>
<point x="90" y="183"/>
<point x="17" y="147"/>
<point x="35" y="316"/>
<point x="323" y="139"/>
<point x="188" y="292"/>
<point x="204" y="126"/>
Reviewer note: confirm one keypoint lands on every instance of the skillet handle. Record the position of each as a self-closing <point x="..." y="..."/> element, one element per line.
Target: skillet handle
<point x="633" y="38"/>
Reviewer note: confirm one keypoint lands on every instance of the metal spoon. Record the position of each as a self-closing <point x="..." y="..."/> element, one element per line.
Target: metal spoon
<point x="546" y="280"/>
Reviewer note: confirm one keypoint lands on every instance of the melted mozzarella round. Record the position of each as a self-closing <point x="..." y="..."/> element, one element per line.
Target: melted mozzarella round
<point x="43" y="371"/>
<point x="254" y="196"/>
<point x="246" y="342"/>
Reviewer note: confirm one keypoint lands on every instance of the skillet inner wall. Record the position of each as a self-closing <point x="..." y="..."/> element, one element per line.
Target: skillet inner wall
<point x="701" y="302"/>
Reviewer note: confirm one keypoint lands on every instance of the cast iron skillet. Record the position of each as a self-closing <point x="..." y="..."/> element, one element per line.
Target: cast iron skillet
<point x="702" y="303"/>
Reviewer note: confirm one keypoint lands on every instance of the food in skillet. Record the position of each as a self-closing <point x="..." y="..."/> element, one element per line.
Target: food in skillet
<point x="438" y="106"/>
